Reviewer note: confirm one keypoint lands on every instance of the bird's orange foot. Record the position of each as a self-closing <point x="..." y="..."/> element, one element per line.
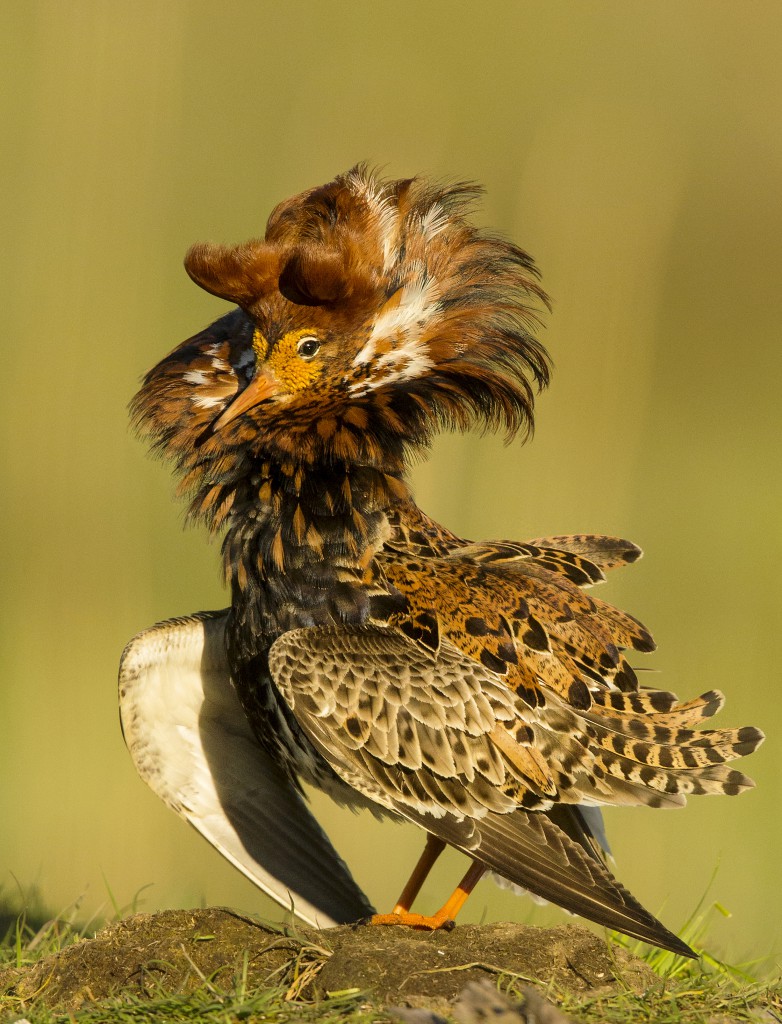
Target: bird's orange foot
<point x="419" y="921"/>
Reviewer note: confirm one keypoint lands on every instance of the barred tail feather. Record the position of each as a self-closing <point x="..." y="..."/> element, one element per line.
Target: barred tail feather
<point x="660" y="705"/>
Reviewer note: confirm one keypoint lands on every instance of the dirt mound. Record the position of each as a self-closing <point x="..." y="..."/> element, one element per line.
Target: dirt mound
<point x="176" y="951"/>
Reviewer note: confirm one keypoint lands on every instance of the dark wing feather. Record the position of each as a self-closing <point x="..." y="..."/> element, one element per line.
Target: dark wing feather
<point x="528" y="848"/>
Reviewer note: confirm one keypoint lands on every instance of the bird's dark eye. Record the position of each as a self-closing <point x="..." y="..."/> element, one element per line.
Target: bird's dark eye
<point x="308" y="347"/>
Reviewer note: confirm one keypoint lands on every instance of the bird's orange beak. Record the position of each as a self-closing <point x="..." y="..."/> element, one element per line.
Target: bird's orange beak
<point x="260" y="388"/>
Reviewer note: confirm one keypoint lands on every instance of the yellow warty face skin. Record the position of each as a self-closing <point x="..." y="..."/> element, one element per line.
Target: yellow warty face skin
<point x="260" y="346"/>
<point x="292" y="371"/>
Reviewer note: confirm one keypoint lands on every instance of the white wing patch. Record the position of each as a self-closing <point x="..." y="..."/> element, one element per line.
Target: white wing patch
<point x="192" y="744"/>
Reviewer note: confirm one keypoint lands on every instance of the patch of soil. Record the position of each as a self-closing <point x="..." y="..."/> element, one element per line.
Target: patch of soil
<point x="175" y="951"/>
<point x="402" y="964"/>
<point x="147" y="954"/>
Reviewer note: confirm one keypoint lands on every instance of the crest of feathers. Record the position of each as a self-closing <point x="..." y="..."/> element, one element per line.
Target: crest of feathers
<point x="427" y="317"/>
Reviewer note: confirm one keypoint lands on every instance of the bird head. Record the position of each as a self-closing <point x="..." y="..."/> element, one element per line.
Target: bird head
<point x="371" y="314"/>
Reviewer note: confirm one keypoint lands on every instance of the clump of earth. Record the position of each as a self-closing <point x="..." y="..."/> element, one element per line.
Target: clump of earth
<point x="175" y="950"/>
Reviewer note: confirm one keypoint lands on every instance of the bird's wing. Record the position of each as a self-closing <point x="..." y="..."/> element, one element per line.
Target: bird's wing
<point x="520" y="612"/>
<point x="415" y="731"/>
<point x="191" y="742"/>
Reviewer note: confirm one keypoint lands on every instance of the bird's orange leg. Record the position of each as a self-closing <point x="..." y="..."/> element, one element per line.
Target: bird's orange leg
<point x="444" y="918"/>
<point x="448" y="911"/>
<point x="434" y="847"/>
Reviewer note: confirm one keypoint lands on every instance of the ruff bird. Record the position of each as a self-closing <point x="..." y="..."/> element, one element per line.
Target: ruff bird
<point x="474" y="688"/>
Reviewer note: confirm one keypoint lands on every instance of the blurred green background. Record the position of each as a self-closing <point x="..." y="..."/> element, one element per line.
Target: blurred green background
<point x="634" y="148"/>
